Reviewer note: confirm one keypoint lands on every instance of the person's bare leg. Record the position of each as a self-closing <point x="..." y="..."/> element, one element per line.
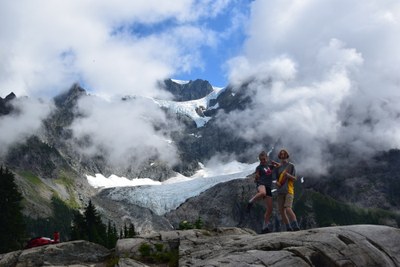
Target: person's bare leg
<point x="260" y="194"/>
<point x="290" y="214"/>
<point x="268" y="211"/>
<point x="283" y="215"/>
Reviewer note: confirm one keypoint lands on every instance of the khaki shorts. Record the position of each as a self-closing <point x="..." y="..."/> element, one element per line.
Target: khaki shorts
<point x="285" y="201"/>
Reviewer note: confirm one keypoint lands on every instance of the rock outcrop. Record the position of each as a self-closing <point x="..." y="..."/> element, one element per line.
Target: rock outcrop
<point x="75" y="253"/>
<point x="224" y="205"/>
<point x="188" y="91"/>
<point x="5" y="108"/>
<point x="357" y="245"/>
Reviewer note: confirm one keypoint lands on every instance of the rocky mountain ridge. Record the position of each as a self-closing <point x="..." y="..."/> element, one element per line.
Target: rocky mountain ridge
<point x="49" y="162"/>
<point x="47" y="165"/>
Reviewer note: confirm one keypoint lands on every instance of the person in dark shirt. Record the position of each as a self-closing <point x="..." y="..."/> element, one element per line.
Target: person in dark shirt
<point x="263" y="180"/>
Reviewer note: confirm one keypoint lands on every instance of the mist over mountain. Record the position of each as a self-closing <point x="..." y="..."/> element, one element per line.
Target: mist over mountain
<point x="79" y="134"/>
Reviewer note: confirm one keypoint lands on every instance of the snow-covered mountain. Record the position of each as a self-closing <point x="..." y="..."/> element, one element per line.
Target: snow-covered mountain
<point x="78" y="156"/>
<point x="58" y="158"/>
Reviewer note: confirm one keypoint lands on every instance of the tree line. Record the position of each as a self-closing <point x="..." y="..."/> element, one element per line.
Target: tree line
<point x="16" y="229"/>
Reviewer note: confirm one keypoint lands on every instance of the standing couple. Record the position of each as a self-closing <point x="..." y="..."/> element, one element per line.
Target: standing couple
<point x="285" y="174"/>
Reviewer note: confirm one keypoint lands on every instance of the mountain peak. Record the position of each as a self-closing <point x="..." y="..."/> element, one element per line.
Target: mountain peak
<point x="70" y="97"/>
<point x="186" y="91"/>
<point x="10" y="97"/>
<point x="4" y="107"/>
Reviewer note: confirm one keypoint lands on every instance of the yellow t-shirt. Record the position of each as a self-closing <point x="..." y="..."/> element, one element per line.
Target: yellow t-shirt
<point x="287" y="185"/>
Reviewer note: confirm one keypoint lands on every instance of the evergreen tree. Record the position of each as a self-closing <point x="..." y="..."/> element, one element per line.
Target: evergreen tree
<point x="125" y="231"/>
<point x="112" y="235"/>
<point x="78" y="229"/>
<point x="12" y="227"/>
<point x="198" y="224"/>
<point x="63" y="216"/>
<point x="96" y="230"/>
<point x="131" y="230"/>
<point x="89" y="226"/>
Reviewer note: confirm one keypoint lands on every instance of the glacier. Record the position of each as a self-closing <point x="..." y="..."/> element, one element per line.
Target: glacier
<point x="161" y="197"/>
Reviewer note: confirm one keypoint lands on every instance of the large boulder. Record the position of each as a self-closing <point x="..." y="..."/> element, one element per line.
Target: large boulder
<point x="357" y="245"/>
<point x="223" y="205"/>
<point x="77" y="253"/>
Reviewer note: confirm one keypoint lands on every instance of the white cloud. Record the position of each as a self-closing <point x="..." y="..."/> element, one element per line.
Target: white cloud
<point x="323" y="73"/>
<point x="25" y="120"/>
<point x="126" y="132"/>
<point x="46" y="46"/>
<point x="111" y="48"/>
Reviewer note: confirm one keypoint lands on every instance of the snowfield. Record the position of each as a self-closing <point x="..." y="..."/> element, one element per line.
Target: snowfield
<point x="189" y="107"/>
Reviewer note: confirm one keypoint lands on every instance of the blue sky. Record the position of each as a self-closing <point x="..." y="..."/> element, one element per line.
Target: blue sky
<point x="214" y="69"/>
<point x="229" y="41"/>
<point x="111" y="48"/>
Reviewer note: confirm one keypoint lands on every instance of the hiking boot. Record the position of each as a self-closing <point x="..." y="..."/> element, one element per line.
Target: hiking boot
<point x="265" y="230"/>
<point x="295" y="226"/>
<point x="249" y="206"/>
<point x="288" y="228"/>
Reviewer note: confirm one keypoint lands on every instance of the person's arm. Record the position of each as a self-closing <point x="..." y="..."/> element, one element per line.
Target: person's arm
<point x="292" y="174"/>
<point x="281" y="179"/>
<point x="275" y="164"/>
<point x="288" y="175"/>
<point x="257" y="176"/>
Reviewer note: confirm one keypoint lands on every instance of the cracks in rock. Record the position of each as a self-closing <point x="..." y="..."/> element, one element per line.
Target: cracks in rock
<point x="377" y="246"/>
<point x="300" y="255"/>
<point x="320" y="259"/>
<point x="345" y="239"/>
<point x="381" y="249"/>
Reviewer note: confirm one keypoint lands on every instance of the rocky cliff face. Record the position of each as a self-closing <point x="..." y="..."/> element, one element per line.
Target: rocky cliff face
<point x="5" y="108"/>
<point x="188" y="91"/>
<point x="221" y="205"/>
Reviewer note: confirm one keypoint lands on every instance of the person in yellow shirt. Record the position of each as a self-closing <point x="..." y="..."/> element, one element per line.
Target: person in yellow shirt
<point x="286" y="176"/>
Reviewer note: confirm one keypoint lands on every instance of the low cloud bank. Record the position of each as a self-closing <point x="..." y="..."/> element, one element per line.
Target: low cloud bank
<point x="25" y="120"/>
<point x="321" y="75"/>
<point x="126" y="132"/>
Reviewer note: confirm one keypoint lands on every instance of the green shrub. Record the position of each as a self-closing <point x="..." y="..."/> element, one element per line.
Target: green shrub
<point x="145" y="250"/>
<point x="186" y="225"/>
<point x="156" y="254"/>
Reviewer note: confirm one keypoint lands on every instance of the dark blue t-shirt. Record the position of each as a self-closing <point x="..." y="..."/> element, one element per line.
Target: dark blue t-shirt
<point x="265" y="172"/>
